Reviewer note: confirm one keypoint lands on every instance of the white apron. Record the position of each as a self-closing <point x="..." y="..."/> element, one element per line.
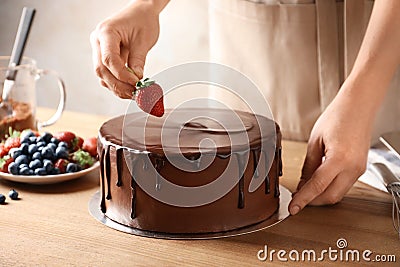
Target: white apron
<point x="298" y="53"/>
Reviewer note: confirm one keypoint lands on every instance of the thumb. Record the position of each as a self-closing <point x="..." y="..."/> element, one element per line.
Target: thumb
<point x="137" y="59"/>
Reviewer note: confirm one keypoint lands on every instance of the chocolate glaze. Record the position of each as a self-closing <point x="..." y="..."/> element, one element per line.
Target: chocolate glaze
<point x="120" y="155"/>
<point x="108" y="171"/>
<point x="147" y="213"/>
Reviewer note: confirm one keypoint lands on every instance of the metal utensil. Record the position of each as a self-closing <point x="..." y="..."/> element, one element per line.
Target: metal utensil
<point x="15" y="59"/>
<point x="392" y="183"/>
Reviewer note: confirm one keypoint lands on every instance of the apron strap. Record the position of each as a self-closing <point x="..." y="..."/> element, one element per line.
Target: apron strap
<point x="328" y="51"/>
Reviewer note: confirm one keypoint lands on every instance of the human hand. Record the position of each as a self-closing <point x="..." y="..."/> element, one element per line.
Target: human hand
<point x="122" y="40"/>
<point x="336" y="153"/>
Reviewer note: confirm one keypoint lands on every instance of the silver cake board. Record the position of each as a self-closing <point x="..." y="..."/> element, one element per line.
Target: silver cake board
<point x="280" y="215"/>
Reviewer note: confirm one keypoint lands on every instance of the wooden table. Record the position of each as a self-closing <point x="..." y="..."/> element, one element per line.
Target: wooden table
<point x="51" y="225"/>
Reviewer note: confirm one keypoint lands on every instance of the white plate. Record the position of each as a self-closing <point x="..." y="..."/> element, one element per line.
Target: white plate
<point x="48" y="179"/>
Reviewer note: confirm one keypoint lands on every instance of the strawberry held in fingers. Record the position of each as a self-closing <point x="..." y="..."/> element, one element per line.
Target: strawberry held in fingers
<point x="149" y="97"/>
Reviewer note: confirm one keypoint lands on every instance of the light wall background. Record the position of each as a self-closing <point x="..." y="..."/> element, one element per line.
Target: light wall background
<point x="59" y="40"/>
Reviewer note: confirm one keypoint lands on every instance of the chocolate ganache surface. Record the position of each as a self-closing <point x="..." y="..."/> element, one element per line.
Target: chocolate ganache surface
<point x="190" y="171"/>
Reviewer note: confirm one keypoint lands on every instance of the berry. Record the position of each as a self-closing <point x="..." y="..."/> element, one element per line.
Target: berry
<point x="149" y="97"/>
<point x="26" y="140"/>
<point x="32" y="139"/>
<point x="24" y="171"/>
<point x="5" y="162"/>
<point x="13" y="168"/>
<point x="52" y="146"/>
<point x="41" y="144"/>
<point x="27" y="133"/>
<point x="24" y="149"/>
<point x="3" y="150"/>
<point x="23" y="166"/>
<point x="47" y="137"/>
<point x="34" y="164"/>
<point x="61" y="164"/>
<point x="63" y="144"/>
<point x="62" y="153"/>
<point x="37" y="155"/>
<point x="32" y="149"/>
<point x="48" y="165"/>
<point x="54" y="141"/>
<point x="67" y="137"/>
<point x="40" y="171"/>
<point x="72" y="167"/>
<point x="13" y="194"/>
<point x="15" y="152"/>
<point x="12" y="142"/>
<point x="2" y="199"/>
<point x="21" y="159"/>
<point x="48" y="153"/>
<point x="90" y="146"/>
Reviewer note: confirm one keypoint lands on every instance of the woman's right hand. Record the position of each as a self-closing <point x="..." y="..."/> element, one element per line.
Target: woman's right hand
<point x="124" y="39"/>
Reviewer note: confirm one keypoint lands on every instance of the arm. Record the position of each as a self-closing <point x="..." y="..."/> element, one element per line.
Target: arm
<point x="125" y="38"/>
<point x="339" y="142"/>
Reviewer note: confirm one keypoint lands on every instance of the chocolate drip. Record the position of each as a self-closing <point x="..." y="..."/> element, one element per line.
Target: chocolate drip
<point x="241" y="164"/>
<point x="108" y="172"/>
<point x="158" y="165"/>
<point x="267" y="178"/>
<point x="133" y="186"/>
<point x="278" y="171"/>
<point x="103" y="198"/>
<point x="256" y="158"/>
<point x="120" y="158"/>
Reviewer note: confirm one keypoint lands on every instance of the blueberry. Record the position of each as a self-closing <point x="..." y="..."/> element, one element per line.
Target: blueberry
<point x="55" y="171"/>
<point x="28" y="133"/>
<point x="54" y="141"/>
<point x="15" y="152"/>
<point x="40" y="139"/>
<point x="24" y="148"/>
<point x="47" y="137"/>
<point x="23" y="165"/>
<point x="24" y="171"/>
<point x="34" y="164"/>
<point x="41" y="144"/>
<point x="13" y="168"/>
<point x="72" y="167"/>
<point x="52" y="146"/>
<point x="26" y="140"/>
<point x="21" y="160"/>
<point x="48" y="165"/>
<point x="40" y="171"/>
<point x="48" y="153"/>
<point x="13" y="194"/>
<point x="32" y="139"/>
<point x="31" y="172"/>
<point x="32" y="149"/>
<point x="63" y="144"/>
<point x="37" y="155"/>
<point x="2" y="199"/>
<point x="61" y="153"/>
<point x="40" y="149"/>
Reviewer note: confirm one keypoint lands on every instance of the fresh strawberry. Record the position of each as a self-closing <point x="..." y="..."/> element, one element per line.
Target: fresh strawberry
<point x="3" y="150"/>
<point x="4" y="162"/>
<point x="82" y="158"/>
<point x="61" y="164"/>
<point x="90" y="146"/>
<point x="12" y="142"/>
<point x="149" y="97"/>
<point x="77" y="143"/>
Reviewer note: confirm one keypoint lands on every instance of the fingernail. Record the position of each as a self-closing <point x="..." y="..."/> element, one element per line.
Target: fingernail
<point x="294" y="210"/>
<point x="138" y="71"/>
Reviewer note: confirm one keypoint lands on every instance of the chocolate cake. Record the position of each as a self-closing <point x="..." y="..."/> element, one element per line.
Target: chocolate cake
<point x="149" y="165"/>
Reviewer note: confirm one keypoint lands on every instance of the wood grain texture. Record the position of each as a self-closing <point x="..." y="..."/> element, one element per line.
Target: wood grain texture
<point x="51" y="226"/>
